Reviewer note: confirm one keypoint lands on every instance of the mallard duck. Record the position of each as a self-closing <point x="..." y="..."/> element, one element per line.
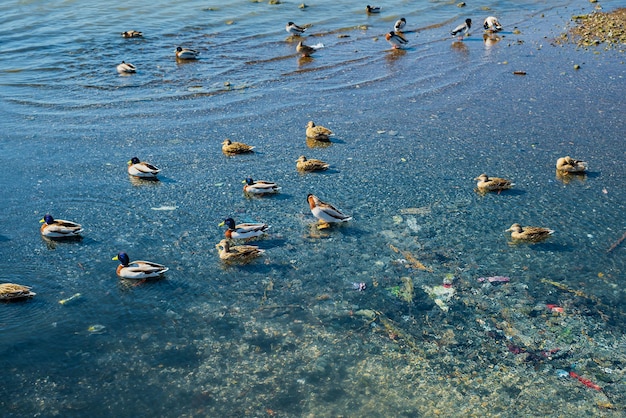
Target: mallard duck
<point x="142" y="169"/>
<point x="492" y="184"/>
<point x="230" y="147"/>
<point x="317" y="132"/>
<point x="463" y="27"/>
<point x="396" y="40"/>
<point x="305" y="50"/>
<point x="372" y="9"/>
<point x="303" y="164"/>
<point x="243" y="231"/>
<point x="399" y="25"/>
<point x="237" y="253"/>
<point x="132" y="34"/>
<point x="529" y="233"/>
<point x="294" y="29"/>
<point x="325" y="212"/>
<point x="259" y="187"/>
<point x="569" y="165"/>
<point x="10" y="291"/>
<point x="126" y="68"/>
<point x="59" y="228"/>
<point x="491" y="23"/>
<point x="186" y="54"/>
<point x="138" y="269"/>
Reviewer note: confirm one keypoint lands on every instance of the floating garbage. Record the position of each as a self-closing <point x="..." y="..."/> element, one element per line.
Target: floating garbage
<point x="71" y="298"/>
<point x="96" y="329"/>
<point x="360" y="286"/>
<point x="494" y="279"/>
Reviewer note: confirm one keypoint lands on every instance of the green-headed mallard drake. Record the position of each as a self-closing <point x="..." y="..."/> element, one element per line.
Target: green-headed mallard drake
<point x="492" y="184"/>
<point x="317" y="132"/>
<point x="126" y="68"/>
<point x="142" y="169"/>
<point x="237" y="253"/>
<point x="132" y="34"/>
<point x="186" y="53"/>
<point x="59" y="228"/>
<point x="396" y="40"/>
<point x="303" y="164"/>
<point x="569" y="165"/>
<point x="529" y="233"/>
<point x="245" y="230"/>
<point x="138" y="269"/>
<point x="259" y="187"/>
<point x="325" y="212"/>
<point x="11" y="291"/>
<point x="229" y="147"/>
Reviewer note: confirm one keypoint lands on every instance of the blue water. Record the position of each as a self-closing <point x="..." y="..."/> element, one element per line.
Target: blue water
<point x="287" y="335"/>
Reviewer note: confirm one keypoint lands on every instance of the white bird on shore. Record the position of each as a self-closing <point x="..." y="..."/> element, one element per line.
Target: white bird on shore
<point x="294" y="29"/>
<point x="400" y="24"/>
<point x="491" y="23"/>
<point x="186" y="53"/>
<point x="126" y="68"/>
<point x="396" y="40"/>
<point x="464" y="27"/>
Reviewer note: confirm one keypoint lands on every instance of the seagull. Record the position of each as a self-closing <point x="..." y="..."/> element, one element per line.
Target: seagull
<point x="294" y="29"/>
<point x="465" y="27"/>
<point x="396" y="40"/>
<point x="399" y="25"/>
<point x="492" y="24"/>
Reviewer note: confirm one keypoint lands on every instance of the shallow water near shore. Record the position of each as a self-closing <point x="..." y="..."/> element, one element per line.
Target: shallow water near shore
<point x="288" y="334"/>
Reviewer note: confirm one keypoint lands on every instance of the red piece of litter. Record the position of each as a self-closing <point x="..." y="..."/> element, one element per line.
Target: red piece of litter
<point x="585" y="382"/>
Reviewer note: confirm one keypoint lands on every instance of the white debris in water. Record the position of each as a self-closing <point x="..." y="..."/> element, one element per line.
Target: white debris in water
<point x="165" y="208"/>
<point x="411" y="222"/>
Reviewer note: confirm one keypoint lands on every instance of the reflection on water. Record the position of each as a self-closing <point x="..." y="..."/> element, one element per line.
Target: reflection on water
<point x="450" y="318"/>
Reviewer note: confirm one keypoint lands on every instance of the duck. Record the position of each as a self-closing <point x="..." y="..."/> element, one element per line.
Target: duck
<point x="59" y="228"/>
<point x="294" y="29"/>
<point x="230" y="147"/>
<point x="491" y="23"/>
<point x="132" y="34"/>
<point x="492" y="184"/>
<point x="11" y="291"/>
<point x="259" y="187"/>
<point x="529" y="233"/>
<point x="463" y="27"/>
<point x="396" y="40"/>
<point x="245" y="230"/>
<point x="569" y="165"/>
<point x="372" y="9"/>
<point x="325" y="212"/>
<point x="126" y="68"/>
<point x="317" y="132"/>
<point x="399" y="25"/>
<point x="137" y="269"/>
<point x="303" y="164"/>
<point x="305" y="50"/>
<point x="142" y="169"/>
<point x="237" y="253"/>
<point x="186" y="54"/>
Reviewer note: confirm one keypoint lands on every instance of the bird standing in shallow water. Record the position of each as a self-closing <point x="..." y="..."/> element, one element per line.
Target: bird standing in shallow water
<point x="399" y="25"/>
<point x="491" y="23"/>
<point x="529" y="233"/>
<point x="303" y="164"/>
<point x="325" y="212"/>
<point x="294" y="29"/>
<point x="59" y="228"/>
<point x="137" y="269"/>
<point x="464" y="27"/>
<point x="142" y="169"/>
<point x="396" y="40"/>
